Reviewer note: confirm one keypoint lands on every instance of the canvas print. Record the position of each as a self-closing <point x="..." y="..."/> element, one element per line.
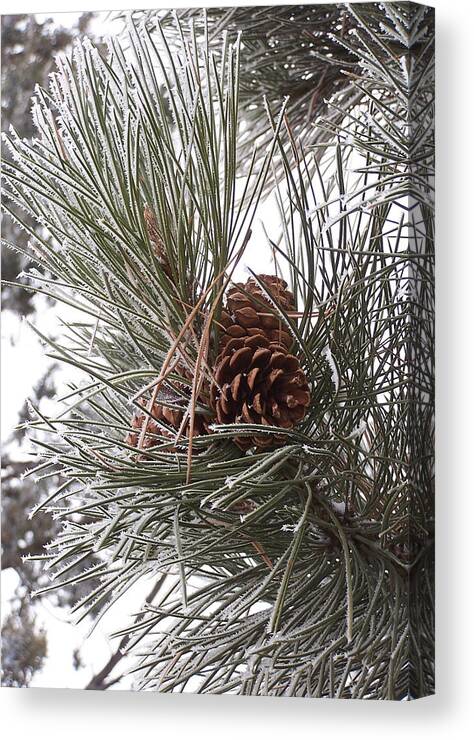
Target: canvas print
<point x="218" y="318"/>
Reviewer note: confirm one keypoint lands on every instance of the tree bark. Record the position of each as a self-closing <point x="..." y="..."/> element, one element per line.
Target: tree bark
<point x="99" y="682"/>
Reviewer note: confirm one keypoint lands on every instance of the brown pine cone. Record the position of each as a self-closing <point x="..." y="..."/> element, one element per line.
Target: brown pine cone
<point x="155" y="239"/>
<point x="255" y="382"/>
<point x="154" y="433"/>
<point x="246" y="313"/>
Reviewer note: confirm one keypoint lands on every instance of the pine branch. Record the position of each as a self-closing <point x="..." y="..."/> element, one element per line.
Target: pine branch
<point x="99" y="680"/>
<point x="299" y="569"/>
<point x="351" y="48"/>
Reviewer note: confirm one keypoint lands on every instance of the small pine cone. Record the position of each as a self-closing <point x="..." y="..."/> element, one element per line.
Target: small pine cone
<point x="154" y="433"/>
<point x="245" y="313"/>
<point x="155" y="239"/>
<point x="255" y="382"/>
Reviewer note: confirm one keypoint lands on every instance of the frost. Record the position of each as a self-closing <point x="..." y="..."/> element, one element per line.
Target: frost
<point x="31" y="408"/>
<point x="358" y="431"/>
<point x="332" y="365"/>
<point x="290" y="528"/>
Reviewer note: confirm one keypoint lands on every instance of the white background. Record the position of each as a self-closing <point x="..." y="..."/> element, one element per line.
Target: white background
<point x="52" y="714"/>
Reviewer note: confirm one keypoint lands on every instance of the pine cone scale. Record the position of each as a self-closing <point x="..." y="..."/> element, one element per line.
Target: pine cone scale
<point x="252" y="377"/>
<point x="241" y="358"/>
<point x="261" y="357"/>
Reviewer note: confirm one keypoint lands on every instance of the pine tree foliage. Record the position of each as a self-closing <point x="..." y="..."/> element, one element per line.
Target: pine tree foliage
<point x="311" y="54"/>
<point x="24" y="644"/>
<point x="288" y="51"/>
<point x="28" y="48"/>
<point x="304" y="570"/>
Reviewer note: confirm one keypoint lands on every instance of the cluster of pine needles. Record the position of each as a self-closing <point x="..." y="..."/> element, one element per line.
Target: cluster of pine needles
<point x="302" y="568"/>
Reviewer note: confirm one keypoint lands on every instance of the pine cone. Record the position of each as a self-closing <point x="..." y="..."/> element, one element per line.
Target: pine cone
<point x="156" y="241"/>
<point x="245" y="313"/>
<point x="255" y="382"/>
<point x="154" y="433"/>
